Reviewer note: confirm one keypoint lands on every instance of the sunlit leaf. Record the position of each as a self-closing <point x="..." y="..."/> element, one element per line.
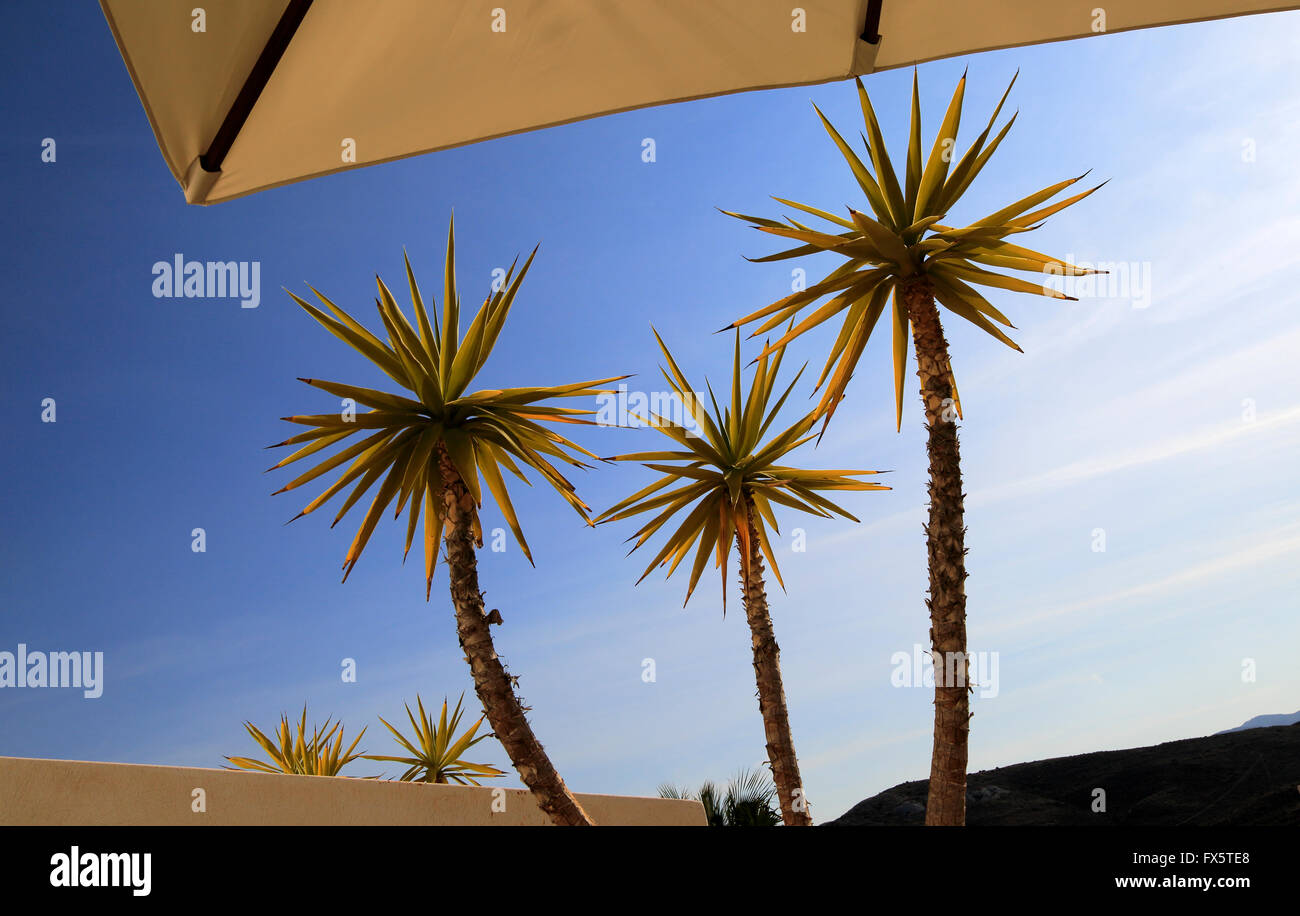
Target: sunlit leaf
<point x="906" y="246"/>
<point x="725" y="487"/>
<point x="406" y="436"/>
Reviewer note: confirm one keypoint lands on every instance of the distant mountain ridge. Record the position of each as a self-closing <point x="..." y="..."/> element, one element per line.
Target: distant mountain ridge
<point x="1264" y="722"/>
<point x="1247" y="776"/>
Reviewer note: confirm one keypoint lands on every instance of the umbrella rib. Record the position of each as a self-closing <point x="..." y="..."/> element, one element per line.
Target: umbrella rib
<point x="871" y="29"/>
<point x="257" y="79"/>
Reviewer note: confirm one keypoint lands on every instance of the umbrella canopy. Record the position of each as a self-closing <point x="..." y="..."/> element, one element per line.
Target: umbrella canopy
<point x="250" y="94"/>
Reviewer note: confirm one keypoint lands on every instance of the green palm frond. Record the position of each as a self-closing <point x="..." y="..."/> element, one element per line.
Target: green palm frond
<point x="904" y="240"/>
<point x="725" y="480"/>
<point x="749" y="801"/>
<point x="299" y="755"/>
<point x="435" y="754"/>
<point x="399" y="441"/>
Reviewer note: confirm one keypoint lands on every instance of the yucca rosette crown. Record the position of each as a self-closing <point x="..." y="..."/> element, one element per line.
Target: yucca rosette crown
<point x="906" y="239"/>
<point x="726" y="481"/>
<point x="321" y="754"/>
<point x="401" y="441"/>
<point x="436" y="752"/>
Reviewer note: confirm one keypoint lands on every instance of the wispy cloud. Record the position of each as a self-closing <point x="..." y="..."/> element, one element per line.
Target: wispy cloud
<point x="1077" y="472"/>
<point x="1267" y="546"/>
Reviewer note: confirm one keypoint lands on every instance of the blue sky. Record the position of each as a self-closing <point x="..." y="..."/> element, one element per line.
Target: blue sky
<point x="1132" y="420"/>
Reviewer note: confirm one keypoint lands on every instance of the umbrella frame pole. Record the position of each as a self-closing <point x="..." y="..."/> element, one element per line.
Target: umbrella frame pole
<point x="257" y="79"/>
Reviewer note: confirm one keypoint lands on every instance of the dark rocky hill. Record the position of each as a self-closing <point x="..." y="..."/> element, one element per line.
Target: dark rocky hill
<point x="1248" y="777"/>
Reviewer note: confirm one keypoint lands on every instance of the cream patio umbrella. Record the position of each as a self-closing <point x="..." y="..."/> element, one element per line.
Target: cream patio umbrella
<point x="245" y="95"/>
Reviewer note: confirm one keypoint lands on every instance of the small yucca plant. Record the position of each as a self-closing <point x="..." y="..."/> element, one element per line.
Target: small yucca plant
<point x="300" y="755"/>
<point x="435" y="752"/>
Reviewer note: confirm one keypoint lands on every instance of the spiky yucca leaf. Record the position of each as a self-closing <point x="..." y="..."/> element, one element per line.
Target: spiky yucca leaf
<point x="903" y="240"/>
<point x="398" y="442"/>
<point x="726" y="480"/>
<point x="300" y="755"/>
<point x="435" y="753"/>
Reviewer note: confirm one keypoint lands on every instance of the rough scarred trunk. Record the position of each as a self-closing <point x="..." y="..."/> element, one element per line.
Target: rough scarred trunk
<point x="492" y="683"/>
<point x="771" y="692"/>
<point x="945" y="543"/>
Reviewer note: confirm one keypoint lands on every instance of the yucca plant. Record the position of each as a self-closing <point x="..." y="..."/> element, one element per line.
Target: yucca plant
<point x="906" y="254"/>
<point x="435" y="751"/>
<point x="727" y="483"/>
<point x="430" y="447"/>
<point x="299" y="755"/>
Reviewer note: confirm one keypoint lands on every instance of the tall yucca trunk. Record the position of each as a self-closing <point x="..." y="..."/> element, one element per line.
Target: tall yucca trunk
<point x="771" y="691"/>
<point x="945" y="536"/>
<point x="491" y="682"/>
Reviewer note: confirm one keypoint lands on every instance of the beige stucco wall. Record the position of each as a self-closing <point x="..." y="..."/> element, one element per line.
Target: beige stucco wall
<point x="66" y="792"/>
